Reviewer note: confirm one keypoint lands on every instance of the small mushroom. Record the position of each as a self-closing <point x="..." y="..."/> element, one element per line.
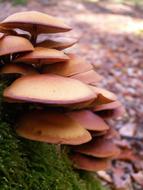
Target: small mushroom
<point x="49" y="89"/>
<point x="14" y="44"/>
<point x="107" y="106"/>
<point x="89" y="163"/>
<point x="59" y="43"/>
<point x="17" y="68"/>
<point x="51" y="127"/>
<point x="103" y="96"/>
<point x="89" y="120"/>
<point x="88" y="77"/>
<point x="98" y="147"/>
<point x="43" y="56"/>
<point x="35" y="22"/>
<point x="74" y="65"/>
<point x="112" y="113"/>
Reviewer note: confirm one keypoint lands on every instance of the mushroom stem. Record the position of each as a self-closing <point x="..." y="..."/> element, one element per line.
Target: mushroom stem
<point x="34" y="35"/>
<point x="59" y="148"/>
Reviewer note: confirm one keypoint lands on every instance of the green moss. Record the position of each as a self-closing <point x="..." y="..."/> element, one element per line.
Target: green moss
<point x="29" y="165"/>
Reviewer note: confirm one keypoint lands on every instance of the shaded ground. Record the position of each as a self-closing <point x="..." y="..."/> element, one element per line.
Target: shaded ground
<point x="111" y="38"/>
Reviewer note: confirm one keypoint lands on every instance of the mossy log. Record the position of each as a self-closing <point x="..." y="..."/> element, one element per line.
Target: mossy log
<point x="29" y="165"/>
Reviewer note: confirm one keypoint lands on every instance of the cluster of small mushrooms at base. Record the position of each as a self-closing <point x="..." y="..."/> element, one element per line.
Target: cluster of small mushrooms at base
<point x="70" y="108"/>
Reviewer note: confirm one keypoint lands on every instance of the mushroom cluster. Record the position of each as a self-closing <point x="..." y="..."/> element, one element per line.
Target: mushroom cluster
<point x="69" y="107"/>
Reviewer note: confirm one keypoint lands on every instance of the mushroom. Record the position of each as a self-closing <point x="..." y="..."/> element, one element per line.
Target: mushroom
<point x="17" y="68"/>
<point x="103" y="96"/>
<point x="59" y="43"/>
<point x="107" y="106"/>
<point x="88" y="77"/>
<point x="89" y="163"/>
<point x="14" y="44"/>
<point x="51" y="127"/>
<point x="89" y="120"/>
<point x="49" y="89"/>
<point x="43" y="56"/>
<point x="98" y="147"/>
<point x="35" y="22"/>
<point x="114" y="110"/>
<point x="74" y="65"/>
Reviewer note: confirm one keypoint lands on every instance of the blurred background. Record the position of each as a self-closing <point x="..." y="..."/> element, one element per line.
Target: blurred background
<point x="110" y="37"/>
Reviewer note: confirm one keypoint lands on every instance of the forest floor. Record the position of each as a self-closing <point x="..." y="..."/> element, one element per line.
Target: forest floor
<point x="110" y="37"/>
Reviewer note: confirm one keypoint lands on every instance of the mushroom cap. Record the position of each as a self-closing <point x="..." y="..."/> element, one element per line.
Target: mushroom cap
<point x="108" y="106"/>
<point x="51" y="127"/>
<point x="98" y="147"/>
<point x="59" y="43"/>
<point x="70" y="67"/>
<point x="49" y="89"/>
<point x="34" y="20"/>
<point x="17" y="68"/>
<point x="89" y="163"/>
<point x="88" y="77"/>
<point x="112" y="113"/>
<point x="43" y="56"/>
<point x="104" y="96"/>
<point x="89" y="120"/>
<point x="14" y="44"/>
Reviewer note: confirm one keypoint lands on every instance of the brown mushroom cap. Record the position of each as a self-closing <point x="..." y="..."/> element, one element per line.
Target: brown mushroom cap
<point x="49" y="89"/>
<point x="98" y="147"/>
<point x="104" y="96"/>
<point x="89" y="120"/>
<point x="88" y="77"/>
<point x="71" y="67"/>
<point x="112" y="113"/>
<point x="52" y="127"/>
<point x="89" y="163"/>
<point x="108" y="106"/>
<point x="14" y="44"/>
<point x="43" y="56"/>
<point x="35" y="21"/>
<point x="59" y="43"/>
<point x="17" y="68"/>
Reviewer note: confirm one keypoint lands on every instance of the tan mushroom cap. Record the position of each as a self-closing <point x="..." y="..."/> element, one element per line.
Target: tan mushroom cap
<point x="89" y="120"/>
<point x="14" y="44"/>
<point x="49" y="89"/>
<point x="52" y="127"/>
<point x="104" y="96"/>
<point x="70" y="67"/>
<point x="37" y="21"/>
<point x="112" y="113"/>
<point x="88" y="77"/>
<point x="108" y="106"/>
<point x="59" y="43"/>
<point x="89" y="163"/>
<point x="98" y="147"/>
<point x="17" y="68"/>
<point x="43" y="56"/>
